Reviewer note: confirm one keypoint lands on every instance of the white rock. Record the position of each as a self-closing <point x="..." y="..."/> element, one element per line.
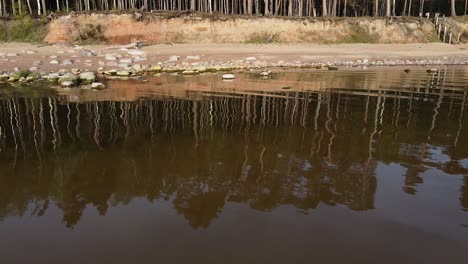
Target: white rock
<point x="54" y="62"/>
<point x="88" y="77"/>
<point x="67" y="84"/>
<point x="122" y="73"/>
<point x="136" y="52"/>
<point x="173" y="58"/>
<point x="127" y="61"/>
<point x="250" y="59"/>
<point x="33" y="69"/>
<point x="97" y="85"/>
<point x="110" y="57"/>
<point x="67" y="62"/>
<point x="136" y="67"/>
<point x="229" y="76"/>
<point x="195" y="57"/>
<point x="11" y="55"/>
<point x="112" y="64"/>
<point x="53" y="57"/>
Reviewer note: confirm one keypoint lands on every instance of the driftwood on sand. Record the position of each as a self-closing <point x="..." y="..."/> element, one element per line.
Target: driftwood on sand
<point x="134" y="45"/>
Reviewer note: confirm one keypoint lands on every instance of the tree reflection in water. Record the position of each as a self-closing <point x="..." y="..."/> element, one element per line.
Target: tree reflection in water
<point x="300" y="149"/>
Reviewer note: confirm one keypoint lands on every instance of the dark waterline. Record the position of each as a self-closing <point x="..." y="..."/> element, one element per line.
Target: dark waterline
<point x="334" y="167"/>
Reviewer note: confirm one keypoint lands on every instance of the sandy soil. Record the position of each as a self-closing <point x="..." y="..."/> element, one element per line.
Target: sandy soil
<point x="24" y="56"/>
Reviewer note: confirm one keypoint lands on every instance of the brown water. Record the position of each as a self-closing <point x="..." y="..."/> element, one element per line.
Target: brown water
<point x="306" y="167"/>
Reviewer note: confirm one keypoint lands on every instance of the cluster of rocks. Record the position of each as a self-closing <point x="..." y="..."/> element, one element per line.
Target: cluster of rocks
<point x="130" y="65"/>
<point x="64" y="78"/>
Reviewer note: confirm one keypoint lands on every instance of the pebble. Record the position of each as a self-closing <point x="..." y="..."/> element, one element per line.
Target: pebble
<point x="112" y="64"/>
<point x="110" y="57"/>
<point x="123" y="73"/>
<point x="229" y="76"/>
<point x="195" y="57"/>
<point x="173" y="58"/>
<point x="67" y="84"/>
<point x="97" y="85"/>
<point x="127" y="61"/>
<point x="88" y="77"/>
<point x="136" y="52"/>
<point x="189" y="72"/>
<point x="67" y="62"/>
<point x="137" y="67"/>
<point x="54" y="62"/>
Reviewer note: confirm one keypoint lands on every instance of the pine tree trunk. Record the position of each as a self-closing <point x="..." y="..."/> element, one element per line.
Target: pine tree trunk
<point x="376" y="11"/>
<point x="409" y="7"/>
<point x="38" y="7"/>
<point x="344" y="8"/>
<point x="324" y="8"/>
<point x="454" y="13"/>
<point x="44" y="8"/>
<point x="13" y="7"/>
<point x="404" y="8"/>
<point x="388" y="8"/>
<point x="29" y="7"/>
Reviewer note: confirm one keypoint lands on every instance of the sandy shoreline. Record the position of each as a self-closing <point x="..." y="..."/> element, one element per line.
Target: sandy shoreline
<point x="15" y="56"/>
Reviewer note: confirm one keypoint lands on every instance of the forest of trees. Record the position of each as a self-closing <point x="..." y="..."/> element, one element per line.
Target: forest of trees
<point x="298" y="8"/>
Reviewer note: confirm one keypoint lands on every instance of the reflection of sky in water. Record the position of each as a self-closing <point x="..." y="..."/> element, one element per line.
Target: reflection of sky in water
<point x="436" y="154"/>
<point x="464" y="163"/>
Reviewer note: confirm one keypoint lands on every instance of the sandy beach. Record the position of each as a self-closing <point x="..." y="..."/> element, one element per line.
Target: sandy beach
<point x="14" y="56"/>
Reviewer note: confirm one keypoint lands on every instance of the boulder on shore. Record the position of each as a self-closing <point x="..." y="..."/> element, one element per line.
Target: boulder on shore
<point x="87" y="77"/>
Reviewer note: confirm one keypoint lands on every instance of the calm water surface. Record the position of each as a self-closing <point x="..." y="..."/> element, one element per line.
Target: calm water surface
<point x="305" y="167"/>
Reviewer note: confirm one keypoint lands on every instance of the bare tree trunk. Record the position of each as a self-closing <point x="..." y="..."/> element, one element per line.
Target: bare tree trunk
<point x="38" y="7"/>
<point x="20" y="7"/>
<point x="388" y="8"/>
<point x="333" y="11"/>
<point x="376" y="7"/>
<point x="466" y="6"/>
<point x="409" y="7"/>
<point x="13" y="7"/>
<point x="454" y="13"/>
<point x="29" y="7"/>
<point x="345" y="7"/>
<point x="404" y="8"/>
<point x="44" y="7"/>
<point x="324" y="8"/>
